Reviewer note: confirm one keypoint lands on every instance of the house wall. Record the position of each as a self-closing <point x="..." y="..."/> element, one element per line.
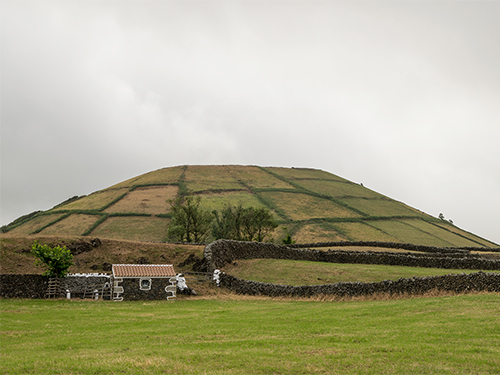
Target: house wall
<point x="132" y="292"/>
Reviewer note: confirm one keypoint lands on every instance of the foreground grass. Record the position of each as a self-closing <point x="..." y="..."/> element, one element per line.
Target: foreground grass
<point x="446" y="335"/>
<point x="295" y="272"/>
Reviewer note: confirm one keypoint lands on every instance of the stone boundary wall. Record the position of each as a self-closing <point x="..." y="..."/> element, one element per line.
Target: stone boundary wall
<point x="395" y="245"/>
<point x="23" y="286"/>
<point x="35" y="286"/>
<point x="221" y="252"/>
<point x="462" y="283"/>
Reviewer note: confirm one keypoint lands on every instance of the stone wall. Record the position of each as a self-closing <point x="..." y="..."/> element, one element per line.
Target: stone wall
<point x="35" y="286"/>
<point x="397" y="245"/>
<point x="221" y="252"/>
<point x="23" y="286"/>
<point x="480" y="281"/>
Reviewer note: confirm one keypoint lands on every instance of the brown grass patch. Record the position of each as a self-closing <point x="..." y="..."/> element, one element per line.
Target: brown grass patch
<point x="148" y="200"/>
<point x="311" y="233"/>
<point x="73" y="225"/>
<point x="94" y="201"/>
<point x="160" y="176"/>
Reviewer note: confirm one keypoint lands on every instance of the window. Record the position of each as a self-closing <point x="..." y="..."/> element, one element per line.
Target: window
<point x="145" y="284"/>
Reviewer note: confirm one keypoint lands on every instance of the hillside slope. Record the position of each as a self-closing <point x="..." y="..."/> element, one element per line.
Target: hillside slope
<point x="314" y="206"/>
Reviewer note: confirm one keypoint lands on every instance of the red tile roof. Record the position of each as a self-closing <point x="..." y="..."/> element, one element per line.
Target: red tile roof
<point x="143" y="270"/>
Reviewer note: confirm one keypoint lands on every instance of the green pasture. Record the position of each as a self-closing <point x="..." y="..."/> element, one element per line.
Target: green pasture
<point x="407" y="233"/>
<point x="136" y="228"/>
<point x="380" y="207"/>
<point x="295" y="272"/>
<point x="445" y="335"/>
<point x="217" y="201"/>
<point x="338" y="189"/>
<point x="442" y="233"/>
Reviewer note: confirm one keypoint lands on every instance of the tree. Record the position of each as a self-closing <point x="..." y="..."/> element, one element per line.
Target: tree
<point x="243" y="224"/>
<point x="263" y="222"/>
<point x="57" y="259"/>
<point x="227" y="223"/>
<point x="288" y="238"/>
<point x="190" y="223"/>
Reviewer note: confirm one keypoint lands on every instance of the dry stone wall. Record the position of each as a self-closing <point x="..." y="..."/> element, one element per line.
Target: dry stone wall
<point x="23" y="286"/>
<point x="221" y="252"/>
<point x="480" y="281"/>
<point x="35" y="286"/>
<point x="396" y="245"/>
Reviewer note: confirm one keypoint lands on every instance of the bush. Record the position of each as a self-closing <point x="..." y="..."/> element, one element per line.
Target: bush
<point x="58" y="259"/>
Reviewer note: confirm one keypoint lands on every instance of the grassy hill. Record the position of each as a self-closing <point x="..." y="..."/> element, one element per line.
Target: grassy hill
<point x="314" y="205"/>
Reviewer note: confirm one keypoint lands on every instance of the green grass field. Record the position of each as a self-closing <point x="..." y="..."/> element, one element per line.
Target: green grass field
<point x="445" y="335"/>
<point x="296" y="272"/>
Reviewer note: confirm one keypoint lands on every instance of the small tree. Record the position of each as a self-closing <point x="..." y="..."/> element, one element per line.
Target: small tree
<point x="190" y="223"/>
<point x="57" y="259"/>
<point x="288" y="238"/>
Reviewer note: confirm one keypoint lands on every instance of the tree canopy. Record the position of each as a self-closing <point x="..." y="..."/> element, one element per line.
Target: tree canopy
<point x="191" y="223"/>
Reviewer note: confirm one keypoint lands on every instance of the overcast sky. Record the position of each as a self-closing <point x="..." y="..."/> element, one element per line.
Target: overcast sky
<point x="403" y="96"/>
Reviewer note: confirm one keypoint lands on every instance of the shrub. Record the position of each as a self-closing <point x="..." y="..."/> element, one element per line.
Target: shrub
<point x="58" y="259"/>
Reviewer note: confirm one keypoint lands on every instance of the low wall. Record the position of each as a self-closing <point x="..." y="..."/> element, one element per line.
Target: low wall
<point x="23" y="286"/>
<point x="397" y="245"/>
<point x="489" y="282"/>
<point x="35" y="286"/>
<point x="221" y="252"/>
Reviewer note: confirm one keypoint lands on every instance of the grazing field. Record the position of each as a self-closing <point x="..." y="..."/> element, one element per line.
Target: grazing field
<point x="445" y="335"/>
<point x="296" y="272"/>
